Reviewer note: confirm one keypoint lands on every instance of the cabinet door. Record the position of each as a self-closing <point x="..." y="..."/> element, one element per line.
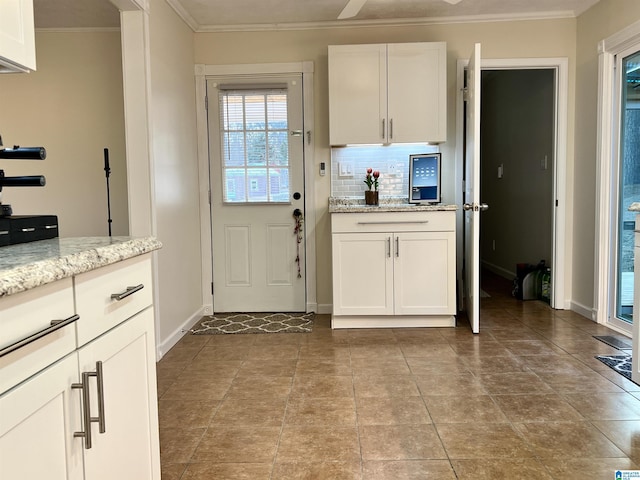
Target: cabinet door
<point x="17" y="38"/>
<point x="417" y="92"/>
<point x="129" y="448"/>
<point x="37" y="422"/>
<point x="357" y="94"/>
<point x="424" y="273"/>
<point x="362" y="274"/>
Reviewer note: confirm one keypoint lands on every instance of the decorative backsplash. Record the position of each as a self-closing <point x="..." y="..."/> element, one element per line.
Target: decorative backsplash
<point x="355" y="160"/>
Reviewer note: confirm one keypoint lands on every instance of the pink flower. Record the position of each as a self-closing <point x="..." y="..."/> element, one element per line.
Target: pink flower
<point x="369" y="170"/>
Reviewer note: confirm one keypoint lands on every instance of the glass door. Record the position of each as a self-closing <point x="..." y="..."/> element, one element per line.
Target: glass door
<point x="628" y="186"/>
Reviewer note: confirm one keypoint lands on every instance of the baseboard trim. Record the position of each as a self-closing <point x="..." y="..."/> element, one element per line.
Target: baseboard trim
<point x="503" y="272"/>
<point x="325" y="308"/>
<point x="583" y="310"/>
<point x="166" y="345"/>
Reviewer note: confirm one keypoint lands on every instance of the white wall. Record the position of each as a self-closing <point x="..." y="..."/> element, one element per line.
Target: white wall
<point x="550" y="38"/>
<point x="72" y="105"/>
<point x="602" y="20"/>
<point x="174" y="173"/>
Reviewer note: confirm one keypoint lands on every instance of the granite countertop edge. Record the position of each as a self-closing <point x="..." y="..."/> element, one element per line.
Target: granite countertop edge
<point x="38" y="263"/>
<point x="387" y="204"/>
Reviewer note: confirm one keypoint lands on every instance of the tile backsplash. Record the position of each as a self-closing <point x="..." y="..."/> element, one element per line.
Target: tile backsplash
<point x="353" y="162"/>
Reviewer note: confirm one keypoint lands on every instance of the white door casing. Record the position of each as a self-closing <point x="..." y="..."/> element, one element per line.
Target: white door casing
<point x="472" y="193"/>
<point x="258" y="264"/>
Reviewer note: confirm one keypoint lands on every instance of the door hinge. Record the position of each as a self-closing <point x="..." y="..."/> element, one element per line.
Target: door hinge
<point x="308" y="137"/>
<point x="209" y="196"/>
<point x="465" y="94"/>
<point x="211" y="288"/>
<point x="206" y="102"/>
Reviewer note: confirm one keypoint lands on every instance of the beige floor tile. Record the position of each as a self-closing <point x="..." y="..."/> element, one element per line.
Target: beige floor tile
<point x="172" y="471"/>
<point x="237" y="444"/>
<point x="316" y="444"/>
<point x="485" y="348"/>
<point x="376" y="351"/>
<point x="463" y="409"/>
<point x="227" y="471"/>
<point x="428" y="350"/>
<point x="182" y="354"/>
<point x="584" y="382"/>
<point x="567" y="439"/>
<point x="260" y="386"/>
<point x="400" y="442"/>
<point x="315" y="350"/>
<point x="250" y="411"/>
<point x="482" y="440"/>
<point x="606" y="406"/>
<point x="321" y="411"/>
<point x="537" y="408"/>
<point x="178" y="444"/>
<point x="322" y="386"/>
<point x="492" y="469"/>
<point x="443" y="365"/>
<point x="624" y="434"/>
<point x="391" y="411"/>
<point x="273" y="368"/>
<point x="186" y="413"/>
<point x="586" y="468"/>
<point x="532" y="347"/>
<point x="320" y="470"/>
<point x="493" y="364"/>
<point x="273" y="352"/>
<point x="380" y="366"/>
<point x="385" y="386"/>
<point x="463" y="385"/>
<point x="323" y="366"/>
<point x="408" y="470"/>
<point x="214" y="353"/>
<point x="187" y="389"/>
<point x="512" y="383"/>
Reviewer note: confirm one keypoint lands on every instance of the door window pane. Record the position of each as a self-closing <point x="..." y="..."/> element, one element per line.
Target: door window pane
<point x="255" y="144"/>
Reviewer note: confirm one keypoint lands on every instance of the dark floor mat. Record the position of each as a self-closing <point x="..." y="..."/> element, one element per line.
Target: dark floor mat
<point x="619" y="342"/>
<point x="619" y="363"/>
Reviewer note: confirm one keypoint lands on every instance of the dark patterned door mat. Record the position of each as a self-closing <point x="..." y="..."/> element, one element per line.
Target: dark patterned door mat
<point x="619" y="342"/>
<point x="224" y="323"/>
<point x="619" y="363"/>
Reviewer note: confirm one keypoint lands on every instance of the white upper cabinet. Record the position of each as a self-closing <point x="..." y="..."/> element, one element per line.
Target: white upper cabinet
<point x="17" y="36"/>
<point x="395" y="93"/>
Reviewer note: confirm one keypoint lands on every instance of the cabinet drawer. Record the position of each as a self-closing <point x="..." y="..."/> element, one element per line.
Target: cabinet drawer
<point x="108" y="296"/>
<point x="439" y="221"/>
<point x="26" y="314"/>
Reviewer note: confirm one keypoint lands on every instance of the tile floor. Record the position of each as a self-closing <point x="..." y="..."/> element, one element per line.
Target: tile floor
<point x="524" y="399"/>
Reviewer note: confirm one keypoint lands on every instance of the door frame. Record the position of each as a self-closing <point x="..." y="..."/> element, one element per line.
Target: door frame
<point x="202" y="72"/>
<point x="561" y="261"/>
<point x="606" y="146"/>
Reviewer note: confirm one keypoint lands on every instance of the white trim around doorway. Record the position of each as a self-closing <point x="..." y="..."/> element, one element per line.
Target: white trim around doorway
<point x="606" y="148"/>
<point x="201" y="74"/>
<point x="561" y="262"/>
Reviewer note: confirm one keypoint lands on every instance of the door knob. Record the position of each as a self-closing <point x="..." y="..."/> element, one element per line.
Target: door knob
<point x="475" y="207"/>
<point x="467" y="207"/>
<point x="484" y="207"/>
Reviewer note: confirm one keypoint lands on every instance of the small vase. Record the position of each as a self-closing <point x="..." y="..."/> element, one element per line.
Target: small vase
<point x="371" y="197"/>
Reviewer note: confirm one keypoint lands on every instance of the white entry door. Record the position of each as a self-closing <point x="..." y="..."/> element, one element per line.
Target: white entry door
<point x="472" y="206"/>
<point x="257" y="193"/>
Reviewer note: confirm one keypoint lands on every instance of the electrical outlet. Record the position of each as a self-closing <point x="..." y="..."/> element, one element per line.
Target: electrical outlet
<point x="392" y="168"/>
<point x="345" y="169"/>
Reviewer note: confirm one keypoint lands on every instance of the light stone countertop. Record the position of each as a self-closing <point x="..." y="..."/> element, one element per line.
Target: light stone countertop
<point x="387" y="204"/>
<point x="30" y="265"/>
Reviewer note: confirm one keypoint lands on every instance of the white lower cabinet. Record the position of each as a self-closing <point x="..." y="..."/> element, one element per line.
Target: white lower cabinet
<point x="91" y="414"/>
<point x="390" y="278"/>
<point x="37" y="422"/>
<point x="128" y="447"/>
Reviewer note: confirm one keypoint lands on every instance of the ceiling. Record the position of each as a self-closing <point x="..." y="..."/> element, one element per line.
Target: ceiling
<point x="216" y="15"/>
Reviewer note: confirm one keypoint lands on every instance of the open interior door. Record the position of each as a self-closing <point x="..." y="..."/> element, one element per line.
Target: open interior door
<point x="472" y="206"/>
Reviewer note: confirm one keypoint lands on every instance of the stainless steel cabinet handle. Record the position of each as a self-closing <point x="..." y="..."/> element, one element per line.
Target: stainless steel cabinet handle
<point x="397" y="246"/>
<point x="55" y="325"/>
<point x="102" y="428"/>
<point x="87" y="419"/>
<point x="86" y="412"/>
<point x="127" y="292"/>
